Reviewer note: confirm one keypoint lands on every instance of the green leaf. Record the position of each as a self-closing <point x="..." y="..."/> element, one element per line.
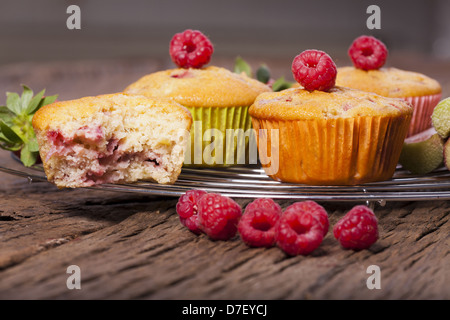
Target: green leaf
<point x="34" y="103"/>
<point x="16" y="131"/>
<point x="263" y="74"/>
<point x="4" y="139"/>
<point x="9" y="133"/>
<point x="240" y="65"/>
<point x="6" y="115"/>
<point x="9" y="146"/>
<point x="28" y="157"/>
<point x="27" y="94"/>
<point x="45" y="101"/>
<point x="13" y="102"/>
<point x="33" y="145"/>
<point x="281" y="84"/>
<point x="49" y="99"/>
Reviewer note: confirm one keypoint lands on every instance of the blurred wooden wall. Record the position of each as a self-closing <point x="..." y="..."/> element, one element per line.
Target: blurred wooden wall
<point x="35" y="30"/>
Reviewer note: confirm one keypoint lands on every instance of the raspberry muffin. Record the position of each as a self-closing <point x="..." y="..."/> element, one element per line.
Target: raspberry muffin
<point x="328" y="135"/>
<point x="217" y="98"/>
<point x="368" y="55"/>
<point x="113" y="138"/>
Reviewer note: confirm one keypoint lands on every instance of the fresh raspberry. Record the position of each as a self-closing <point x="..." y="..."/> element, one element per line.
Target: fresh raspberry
<point x="190" y="49"/>
<point x="368" y="53"/>
<point x="218" y="216"/>
<point x="265" y="203"/>
<point x="358" y="229"/>
<point x="300" y="230"/>
<point x="187" y="209"/>
<point x="314" y="70"/>
<point x="315" y="209"/>
<point x="257" y="225"/>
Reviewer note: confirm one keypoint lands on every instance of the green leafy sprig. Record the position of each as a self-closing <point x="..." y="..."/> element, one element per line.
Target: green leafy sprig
<point x="16" y="130"/>
<point x="262" y="74"/>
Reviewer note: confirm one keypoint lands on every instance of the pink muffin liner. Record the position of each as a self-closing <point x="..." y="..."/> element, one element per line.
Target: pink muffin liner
<point x="423" y="109"/>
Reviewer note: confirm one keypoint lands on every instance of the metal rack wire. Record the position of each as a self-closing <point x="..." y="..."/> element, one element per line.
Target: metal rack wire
<point x="252" y="182"/>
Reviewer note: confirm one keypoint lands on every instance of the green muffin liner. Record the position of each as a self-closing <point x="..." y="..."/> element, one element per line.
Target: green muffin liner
<point x="221" y="137"/>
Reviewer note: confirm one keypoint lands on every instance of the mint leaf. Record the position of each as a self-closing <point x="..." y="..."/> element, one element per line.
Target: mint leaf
<point x="9" y="133"/>
<point x="34" y="103"/>
<point x="27" y="157"/>
<point x="240" y="65"/>
<point x="281" y="84"/>
<point x="27" y="94"/>
<point x="263" y="74"/>
<point x="13" y="102"/>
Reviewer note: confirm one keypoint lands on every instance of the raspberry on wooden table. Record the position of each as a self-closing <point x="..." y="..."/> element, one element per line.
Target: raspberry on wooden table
<point x="358" y="229"/>
<point x="314" y="70"/>
<point x="218" y="216"/>
<point x="187" y="209"/>
<point x="300" y="229"/>
<point x="264" y="203"/>
<point x="257" y="226"/>
<point x="190" y="49"/>
<point x="318" y="211"/>
<point x="368" y="53"/>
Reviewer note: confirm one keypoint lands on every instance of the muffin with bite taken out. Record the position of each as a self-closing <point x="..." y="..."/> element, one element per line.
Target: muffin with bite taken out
<point x="112" y="138"/>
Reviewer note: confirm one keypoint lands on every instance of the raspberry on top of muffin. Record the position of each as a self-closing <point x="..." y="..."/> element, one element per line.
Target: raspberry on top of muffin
<point x="327" y="134"/>
<point x="217" y="98"/>
<point x="369" y="73"/>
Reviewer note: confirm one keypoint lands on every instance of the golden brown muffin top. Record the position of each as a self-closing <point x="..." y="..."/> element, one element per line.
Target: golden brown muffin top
<point x="61" y="112"/>
<point x="206" y="87"/>
<point x="339" y="102"/>
<point x="388" y="82"/>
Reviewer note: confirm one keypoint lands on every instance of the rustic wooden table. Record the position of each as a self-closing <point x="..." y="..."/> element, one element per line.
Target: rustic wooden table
<point x="132" y="246"/>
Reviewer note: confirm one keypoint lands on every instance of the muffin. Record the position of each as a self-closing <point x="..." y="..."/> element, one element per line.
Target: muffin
<point x="342" y="136"/>
<point x="115" y="138"/>
<point x="368" y="55"/>
<point x="218" y="100"/>
<point x="421" y="91"/>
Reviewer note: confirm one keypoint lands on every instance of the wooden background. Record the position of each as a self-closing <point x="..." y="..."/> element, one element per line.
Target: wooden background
<point x="132" y="246"/>
<point x="35" y="30"/>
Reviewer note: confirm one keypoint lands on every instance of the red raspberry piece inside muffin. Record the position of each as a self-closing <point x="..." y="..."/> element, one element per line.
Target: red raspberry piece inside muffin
<point x="314" y="70"/>
<point x="190" y="49"/>
<point x="368" y="53"/>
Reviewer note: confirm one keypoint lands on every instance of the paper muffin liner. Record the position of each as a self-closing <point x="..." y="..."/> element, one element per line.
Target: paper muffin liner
<point x="423" y="109"/>
<point x="341" y="151"/>
<point x="220" y="137"/>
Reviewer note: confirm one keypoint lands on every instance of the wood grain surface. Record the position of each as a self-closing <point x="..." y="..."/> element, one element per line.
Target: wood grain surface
<point x="132" y="246"/>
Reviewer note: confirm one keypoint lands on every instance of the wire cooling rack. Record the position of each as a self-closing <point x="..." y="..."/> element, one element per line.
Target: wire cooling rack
<point x="252" y="182"/>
